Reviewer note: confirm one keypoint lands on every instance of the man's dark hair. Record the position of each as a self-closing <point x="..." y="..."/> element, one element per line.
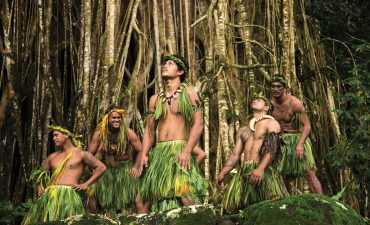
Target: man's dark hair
<point x="180" y="61"/>
<point x="278" y="78"/>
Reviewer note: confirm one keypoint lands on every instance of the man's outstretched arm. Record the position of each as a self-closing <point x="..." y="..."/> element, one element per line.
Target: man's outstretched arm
<point x="235" y="155"/>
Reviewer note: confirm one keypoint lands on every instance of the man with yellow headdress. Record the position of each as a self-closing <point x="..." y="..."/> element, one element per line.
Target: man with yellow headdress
<point x="113" y="142"/>
<point x="59" y="199"/>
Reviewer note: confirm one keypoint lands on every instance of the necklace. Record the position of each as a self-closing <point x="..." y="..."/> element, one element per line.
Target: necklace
<point x="169" y="98"/>
<point x="253" y="121"/>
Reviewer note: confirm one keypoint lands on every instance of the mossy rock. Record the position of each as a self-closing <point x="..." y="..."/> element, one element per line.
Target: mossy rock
<point x="307" y="209"/>
<point x="200" y="215"/>
<point x="86" y="219"/>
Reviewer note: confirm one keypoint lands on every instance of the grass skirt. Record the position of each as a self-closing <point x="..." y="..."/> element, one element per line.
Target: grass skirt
<point x="116" y="189"/>
<point x="241" y="192"/>
<point x="291" y="166"/>
<point x="166" y="180"/>
<point x="58" y="202"/>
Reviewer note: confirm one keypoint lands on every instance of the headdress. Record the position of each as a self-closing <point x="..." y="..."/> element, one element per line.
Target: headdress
<point x="261" y="96"/>
<point x="178" y="61"/>
<point x="278" y="78"/>
<point x="104" y="130"/>
<point x="73" y="137"/>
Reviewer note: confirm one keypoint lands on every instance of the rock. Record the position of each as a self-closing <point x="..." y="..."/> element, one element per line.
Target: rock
<point x="202" y="215"/>
<point x="197" y="215"/>
<point x="307" y="209"/>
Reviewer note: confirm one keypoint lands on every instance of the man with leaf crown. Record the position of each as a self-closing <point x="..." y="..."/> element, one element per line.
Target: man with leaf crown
<point x="113" y="142"/>
<point x="297" y="157"/>
<point x="174" y="126"/>
<point x="257" y="179"/>
<point x="59" y="199"/>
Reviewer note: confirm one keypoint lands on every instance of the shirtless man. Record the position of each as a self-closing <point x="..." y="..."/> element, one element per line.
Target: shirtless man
<point x="177" y="118"/>
<point x="60" y="200"/>
<point x="256" y="180"/>
<point x="112" y="141"/>
<point x="297" y="158"/>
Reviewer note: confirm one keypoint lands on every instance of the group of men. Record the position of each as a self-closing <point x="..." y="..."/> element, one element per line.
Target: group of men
<point x="165" y="173"/>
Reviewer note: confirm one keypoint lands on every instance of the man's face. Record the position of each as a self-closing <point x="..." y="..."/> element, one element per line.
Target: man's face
<point x="277" y="89"/>
<point x="171" y="70"/>
<point x="115" y="120"/>
<point x="59" y="138"/>
<point x="258" y="104"/>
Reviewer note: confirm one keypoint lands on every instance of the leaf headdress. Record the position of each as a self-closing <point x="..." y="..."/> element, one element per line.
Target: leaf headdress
<point x="73" y="137"/>
<point x="104" y="130"/>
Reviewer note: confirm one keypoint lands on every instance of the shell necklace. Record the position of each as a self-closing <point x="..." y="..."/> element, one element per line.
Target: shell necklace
<point x="253" y="121"/>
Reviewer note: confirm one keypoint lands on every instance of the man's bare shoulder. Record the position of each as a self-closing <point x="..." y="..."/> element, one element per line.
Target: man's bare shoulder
<point x="193" y="94"/>
<point x="96" y="134"/>
<point x="273" y="126"/>
<point x="296" y="105"/>
<point x="53" y="155"/>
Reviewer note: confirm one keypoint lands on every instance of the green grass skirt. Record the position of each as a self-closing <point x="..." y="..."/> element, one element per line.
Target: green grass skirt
<point x="241" y="192"/>
<point x="58" y="202"/>
<point x="165" y="180"/>
<point x="116" y="189"/>
<point x="291" y="166"/>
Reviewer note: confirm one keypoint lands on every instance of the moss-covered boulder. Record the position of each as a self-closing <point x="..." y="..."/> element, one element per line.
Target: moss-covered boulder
<point x="202" y="215"/>
<point x="199" y="215"/>
<point x="307" y="209"/>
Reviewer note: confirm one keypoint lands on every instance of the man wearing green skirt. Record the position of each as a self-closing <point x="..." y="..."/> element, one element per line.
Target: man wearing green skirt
<point x="297" y="158"/>
<point x="59" y="199"/>
<point x="257" y="179"/>
<point x="175" y="124"/>
<point x="113" y="142"/>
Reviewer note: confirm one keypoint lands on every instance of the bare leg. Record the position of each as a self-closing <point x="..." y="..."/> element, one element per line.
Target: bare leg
<point x="91" y="204"/>
<point x="142" y="207"/>
<point x="313" y="181"/>
<point x="187" y="202"/>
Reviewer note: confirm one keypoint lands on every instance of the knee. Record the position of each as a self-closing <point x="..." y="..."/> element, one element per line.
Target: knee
<point x="310" y="174"/>
<point x="139" y="202"/>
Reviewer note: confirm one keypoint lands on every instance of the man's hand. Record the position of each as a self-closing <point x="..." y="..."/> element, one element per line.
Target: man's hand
<point x="143" y="162"/>
<point x="40" y="191"/>
<point x="299" y="151"/>
<point x="135" y="172"/>
<point x="79" y="187"/>
<point x="184" y="160"/>
<point x="219" y="179"/>
<point x="256" y="175"/>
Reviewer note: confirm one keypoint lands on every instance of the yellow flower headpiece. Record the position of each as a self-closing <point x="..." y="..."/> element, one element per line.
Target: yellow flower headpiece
<point x="73" y="137"/>
<point x="104" y="130"/>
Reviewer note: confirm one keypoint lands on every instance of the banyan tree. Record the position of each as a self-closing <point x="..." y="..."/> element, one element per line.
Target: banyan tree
<point x="65" y="62"/>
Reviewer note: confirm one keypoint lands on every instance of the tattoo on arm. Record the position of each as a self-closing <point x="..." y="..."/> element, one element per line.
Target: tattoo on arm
<point x="90" y="160"/>
<point x="232" y="160"/>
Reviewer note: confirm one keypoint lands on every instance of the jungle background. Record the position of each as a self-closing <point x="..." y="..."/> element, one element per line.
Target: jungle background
<point x="65" y="62"/>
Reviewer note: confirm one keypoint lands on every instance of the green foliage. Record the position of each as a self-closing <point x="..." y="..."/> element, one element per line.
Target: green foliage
<point x="354" y="152"/>
<point x="10" y="214"/>
<point x="344" y="28"/>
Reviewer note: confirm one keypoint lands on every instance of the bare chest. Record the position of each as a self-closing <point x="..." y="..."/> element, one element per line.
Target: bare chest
<point x="283" y="113"/>
<point x="73" y="163"/>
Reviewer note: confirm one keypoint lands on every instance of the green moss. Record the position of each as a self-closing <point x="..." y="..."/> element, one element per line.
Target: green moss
<point x="308" y="209"/>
